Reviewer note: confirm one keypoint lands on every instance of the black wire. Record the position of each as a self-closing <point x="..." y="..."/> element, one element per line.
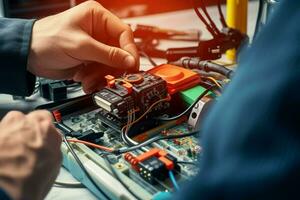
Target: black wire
<point x="115" y="174"/>
<point x="143" y="53"/>
<point x="259" y="17"/>
<point x="68" y="185"/>
<point x="189" y="108"/>
<point x="222" y="18"/>
<point x="83" y="168"/>
<point x="208" y="27"/>
<point x="187" y="163"/>
<point x="155" y="139"/>
<point x="212" y="23"/>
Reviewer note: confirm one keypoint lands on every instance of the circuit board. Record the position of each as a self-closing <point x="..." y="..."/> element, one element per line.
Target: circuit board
<point x="185" y="149"/>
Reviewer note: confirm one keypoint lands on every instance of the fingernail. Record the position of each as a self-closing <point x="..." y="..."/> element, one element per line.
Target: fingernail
<point x="129" y="61"/>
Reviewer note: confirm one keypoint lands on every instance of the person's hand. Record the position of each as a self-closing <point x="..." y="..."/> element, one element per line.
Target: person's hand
<point x="81" y="35"/>
<point x="30" y="155"/>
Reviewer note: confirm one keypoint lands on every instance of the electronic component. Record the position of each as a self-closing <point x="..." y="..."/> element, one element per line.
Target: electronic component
<point x="153" y="132"/>
<point x="53" y="90"/>
<point x="189" y="96"/>
<point x="89" y="135"/>
<point x="177" y="78"/>
<point x="135" y="105"/>
<point x="153" y="164"/>
<point x="70" y="106"/>
<point x="211" y="49"/>
<point x="132" y="93"/>
<point x="185" y="149"/>
<point x="44" y="88"/>
<point x="57" y="91"/>
<point x="199" y="111"/>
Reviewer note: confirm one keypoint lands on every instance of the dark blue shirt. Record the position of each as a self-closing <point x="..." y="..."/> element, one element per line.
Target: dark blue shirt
<point x="3" y="195"/>
<point x="252" y="136"/>
<point x="15" y="36"/>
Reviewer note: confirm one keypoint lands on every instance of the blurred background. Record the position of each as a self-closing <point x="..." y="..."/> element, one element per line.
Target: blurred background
<point x="124" y="8"/>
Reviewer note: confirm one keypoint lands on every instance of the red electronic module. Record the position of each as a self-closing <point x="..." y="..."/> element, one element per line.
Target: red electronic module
<point x="177" y="78"/>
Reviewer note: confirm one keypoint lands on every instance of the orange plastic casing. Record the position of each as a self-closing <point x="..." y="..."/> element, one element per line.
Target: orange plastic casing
<point x="177" y="78"/>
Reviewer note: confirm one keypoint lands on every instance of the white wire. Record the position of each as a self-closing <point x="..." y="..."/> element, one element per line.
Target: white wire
<point x="132" y="118"/>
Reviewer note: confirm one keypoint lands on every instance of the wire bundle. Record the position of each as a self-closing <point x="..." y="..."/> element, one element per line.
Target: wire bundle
<point x="210" y="25"/>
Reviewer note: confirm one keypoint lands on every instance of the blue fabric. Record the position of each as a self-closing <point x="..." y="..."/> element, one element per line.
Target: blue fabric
<point x="15" y="36"/>
<point x="3" y="195"/>
<point x="252" y="136"/>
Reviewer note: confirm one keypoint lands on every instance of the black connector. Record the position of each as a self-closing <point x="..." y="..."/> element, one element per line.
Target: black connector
<point x="58" y="91"/>
<point x="206" y="50"/>
<point x="207" y="66"/>
<point x="53" y="90"/>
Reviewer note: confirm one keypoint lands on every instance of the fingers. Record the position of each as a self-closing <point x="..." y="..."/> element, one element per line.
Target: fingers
<point x="93" y="50"/>
<point x="107" y="24"/>
<point x="127" y="43"/>
<point x="92" y="75"/>
<point x="13" y="116"/>
<point x="44" y="121"/>
<point x="26" y="154"/>
<point x="40" y="116"/>
<point x="59" y="74"/>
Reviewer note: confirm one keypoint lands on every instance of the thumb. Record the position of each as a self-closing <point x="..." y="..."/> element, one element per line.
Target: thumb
<point x="108" y="55"/>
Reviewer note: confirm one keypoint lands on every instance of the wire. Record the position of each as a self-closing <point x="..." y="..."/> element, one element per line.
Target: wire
<point x="212" y="23"/>
<point x="208" y="27"/>
<point x="68" y="184"/>
<point x="173" y="180"/>
<point x="186" y="163"/>
<point x="115" y="174"/>
<point x="214" y="81"/>
<point x="83" y="168"/>
<point x="124" y="133"/>
<point x="91" y="145"/>
<point x="154" y="139"/>
<point x="225" y="64"/>
<point x="222" y="18"/>
<point x="189" y="108"/>
<point x="143" y="53"/>
<point x="138" y="146"/>
<point x="259" y="17"/>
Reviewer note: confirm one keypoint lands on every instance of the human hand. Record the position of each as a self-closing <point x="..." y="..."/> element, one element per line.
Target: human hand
<point x="84" y="34"/>
<point x="30" y="155"/>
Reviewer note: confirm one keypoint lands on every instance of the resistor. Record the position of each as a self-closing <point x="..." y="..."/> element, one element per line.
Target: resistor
<point x="164" y="132"/>
<point x="131" y="159"/>
<point x="176" y="141"/>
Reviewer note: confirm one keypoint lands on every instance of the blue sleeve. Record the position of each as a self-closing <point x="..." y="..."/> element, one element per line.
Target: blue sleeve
<point x="15" y="37"/>
<point x="252" y="136"/>
<point x="3" y="195"/>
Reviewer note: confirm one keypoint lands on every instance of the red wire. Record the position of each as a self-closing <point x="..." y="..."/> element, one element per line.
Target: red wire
<point x="91" y="145"/>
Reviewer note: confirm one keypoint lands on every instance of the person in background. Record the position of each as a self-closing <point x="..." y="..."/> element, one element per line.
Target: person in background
<point x="61" y="46"/>
<point x="251" y="139"/>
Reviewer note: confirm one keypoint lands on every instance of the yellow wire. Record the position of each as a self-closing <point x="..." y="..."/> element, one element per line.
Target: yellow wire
<point x="226" y="64"/>
<point x="215" y="81"/>
<point x="146" y="112"/>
